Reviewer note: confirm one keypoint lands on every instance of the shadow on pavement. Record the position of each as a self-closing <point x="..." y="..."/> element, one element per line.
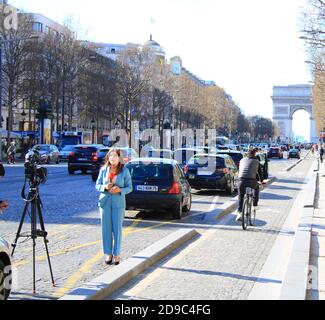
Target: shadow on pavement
<point x="290" y="181"/>
<point x="271" y="196"/>
<point x="271" y="187"/>
<point x="224" y="274"/>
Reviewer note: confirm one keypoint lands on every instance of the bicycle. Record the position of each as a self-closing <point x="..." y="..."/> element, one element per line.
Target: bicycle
<point x="247" y="217"/>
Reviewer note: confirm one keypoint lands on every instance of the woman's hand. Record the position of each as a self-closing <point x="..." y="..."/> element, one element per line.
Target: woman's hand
<point x="109" y="186"/>
<point x="114" y="190"/>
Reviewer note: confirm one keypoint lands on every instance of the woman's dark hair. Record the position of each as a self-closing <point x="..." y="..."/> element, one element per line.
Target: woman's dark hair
<point x="121" y="161"/>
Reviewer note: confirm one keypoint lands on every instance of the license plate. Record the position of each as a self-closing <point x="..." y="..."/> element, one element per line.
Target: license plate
<point x="147" y="188"/>
<point x="204" y="173"/>
<point x="82" y="159"/>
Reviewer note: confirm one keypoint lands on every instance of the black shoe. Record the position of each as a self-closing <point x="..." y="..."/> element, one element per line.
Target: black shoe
<point x="117" y="262"/>
<point x="109" y="261"/>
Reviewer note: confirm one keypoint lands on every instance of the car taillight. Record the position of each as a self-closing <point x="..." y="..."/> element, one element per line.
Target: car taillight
<point x="223" y="170"/>
<point x="186" y="169"/>
<point x="174" y="189"/>
<point x="72" y="154"/>
<point x="94" y="156"/>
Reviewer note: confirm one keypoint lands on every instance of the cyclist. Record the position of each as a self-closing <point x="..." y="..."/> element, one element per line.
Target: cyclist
<point x="250" y="173"/>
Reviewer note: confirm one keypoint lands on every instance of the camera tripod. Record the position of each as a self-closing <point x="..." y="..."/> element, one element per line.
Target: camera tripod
<point x="34" y="200"/>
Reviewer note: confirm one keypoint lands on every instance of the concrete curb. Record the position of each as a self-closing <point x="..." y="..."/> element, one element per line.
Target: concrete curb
<point x="116" y="277"/>
<point x="299" y="161"/>
<point x="295" y="282"/>
<point x="229" y="206"/>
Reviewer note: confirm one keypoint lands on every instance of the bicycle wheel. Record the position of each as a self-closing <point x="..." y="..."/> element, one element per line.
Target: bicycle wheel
<point x="245" y="214"/>
<point x="252" y="217"/>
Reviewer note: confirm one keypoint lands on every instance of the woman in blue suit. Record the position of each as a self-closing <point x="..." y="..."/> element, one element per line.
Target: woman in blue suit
<point x="114" y="183"/>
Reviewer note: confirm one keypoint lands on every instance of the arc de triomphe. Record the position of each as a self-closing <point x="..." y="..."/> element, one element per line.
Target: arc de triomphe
<point x="286" y="101"/>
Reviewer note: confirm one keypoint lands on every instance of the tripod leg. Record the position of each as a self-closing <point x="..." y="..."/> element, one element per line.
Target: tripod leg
<point x="19" y="229"/>
<point x="34" y="236"/>
<point x="45" y="239"/>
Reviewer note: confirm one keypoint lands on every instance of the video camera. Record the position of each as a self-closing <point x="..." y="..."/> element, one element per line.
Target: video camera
<point x="33" y="169"/>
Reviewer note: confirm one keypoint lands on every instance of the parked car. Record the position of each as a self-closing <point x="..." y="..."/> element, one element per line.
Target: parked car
<point x="213" y="171"/>
<point x="49" y="153"/>
<point x="235" y="155"/>
<point x="81" y="158"/>
<point x="65" y="151"/>
<point x="294" y="153"/>
<point x="98" y="159"/>
<point x="5" y="269"/>
<point x="275" y="152"/>
<point x="183" y="155"/>
<point x="264" y="162"/>
<point x="159" y="184"/>
<point x="284" y="148"/>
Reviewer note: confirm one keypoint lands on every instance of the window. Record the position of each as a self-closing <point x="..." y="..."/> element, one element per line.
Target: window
<point x="47" y="29"/>
<point x="38" y="27"/>
<point x="113" y="50"/>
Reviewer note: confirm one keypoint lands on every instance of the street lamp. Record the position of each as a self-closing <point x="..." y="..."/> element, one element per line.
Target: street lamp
<point x="93" y="122"/>
<point x="23" y="118"/>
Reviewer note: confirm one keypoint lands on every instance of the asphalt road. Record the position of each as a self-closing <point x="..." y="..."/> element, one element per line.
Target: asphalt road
<point x="72" y="220"/>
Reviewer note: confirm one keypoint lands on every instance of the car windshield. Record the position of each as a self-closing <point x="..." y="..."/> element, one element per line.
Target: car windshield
<point x="142" y="171"/>
<point x="184" y="155"/>
<point x="67" y="148"/>
<point x="160" y="154"/>
<point x="85" y="150"/>
<point x="207" y="161"/>
<point x="236" y="156"/>
<point x="43" y="148"/>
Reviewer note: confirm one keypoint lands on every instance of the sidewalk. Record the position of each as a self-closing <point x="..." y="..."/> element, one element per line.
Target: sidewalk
<point x="317" y="256"/>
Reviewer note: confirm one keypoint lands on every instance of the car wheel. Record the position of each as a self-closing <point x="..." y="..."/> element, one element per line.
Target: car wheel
<point x="230" y="188"/>
<point x="188" y="206"/>
<point x="4" y="292"/>
<point x="70" y="171"/>
<point x="177" y="212"/>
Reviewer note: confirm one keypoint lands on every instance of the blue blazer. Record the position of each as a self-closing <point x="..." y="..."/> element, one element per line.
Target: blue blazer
<point x="123" y="181"/>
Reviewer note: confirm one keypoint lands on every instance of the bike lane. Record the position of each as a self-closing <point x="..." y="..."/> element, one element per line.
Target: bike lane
<point x="225" y="262"/>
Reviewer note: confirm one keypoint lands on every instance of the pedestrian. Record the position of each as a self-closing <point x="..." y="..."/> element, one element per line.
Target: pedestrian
<point x="11" y="151"/>
<point x="321" y="153"/>
<point x="3" y="203"/>
<point x="114" y="183"/>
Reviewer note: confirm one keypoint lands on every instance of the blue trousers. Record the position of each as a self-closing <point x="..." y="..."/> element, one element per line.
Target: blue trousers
<point x="112" y="223"/>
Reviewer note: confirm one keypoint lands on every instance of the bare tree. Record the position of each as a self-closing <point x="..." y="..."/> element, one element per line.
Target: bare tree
<point x="15" y="50"/>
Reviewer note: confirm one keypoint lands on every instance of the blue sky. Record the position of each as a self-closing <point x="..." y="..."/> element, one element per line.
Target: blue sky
<point x="246" y="47"/>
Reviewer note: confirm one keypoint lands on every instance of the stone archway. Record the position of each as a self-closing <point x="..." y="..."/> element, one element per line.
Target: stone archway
<point x="286" y="101"/>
